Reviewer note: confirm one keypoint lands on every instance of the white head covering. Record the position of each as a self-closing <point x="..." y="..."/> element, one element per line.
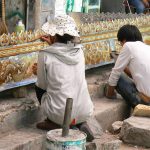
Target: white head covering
<point x="61" y="24"/>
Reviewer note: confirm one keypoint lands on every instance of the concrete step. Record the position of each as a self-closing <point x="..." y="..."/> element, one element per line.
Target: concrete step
<point x="23" y="139"/>
<point x="108" y="111"/>
<point x="96" y="80"/>
<point x="18" y="112"/>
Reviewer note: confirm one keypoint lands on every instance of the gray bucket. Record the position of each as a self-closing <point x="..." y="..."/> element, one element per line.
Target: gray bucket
<point x="76" y="140"/>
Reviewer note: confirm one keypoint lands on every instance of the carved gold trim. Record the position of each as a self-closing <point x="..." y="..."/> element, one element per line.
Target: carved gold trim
<point x="106" y="27"/>
<point x="22" y="49"/>
<point x="20" y="38"/>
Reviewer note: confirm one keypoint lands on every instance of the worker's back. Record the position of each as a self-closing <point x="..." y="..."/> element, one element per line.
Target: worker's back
<point x="65" y="78"/>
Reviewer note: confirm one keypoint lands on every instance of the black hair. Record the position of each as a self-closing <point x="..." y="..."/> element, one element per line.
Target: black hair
<point x="65" y="38"/>
<point x="129" y="33"/>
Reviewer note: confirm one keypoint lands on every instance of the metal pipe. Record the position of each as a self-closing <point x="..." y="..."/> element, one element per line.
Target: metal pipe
<point x="67" y="117"/>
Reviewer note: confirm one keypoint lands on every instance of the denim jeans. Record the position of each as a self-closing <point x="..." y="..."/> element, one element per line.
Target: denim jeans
<point x="127" y="89"/>
<point x="138" y="4"/>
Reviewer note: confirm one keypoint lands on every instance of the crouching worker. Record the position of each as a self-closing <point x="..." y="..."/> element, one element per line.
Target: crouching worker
<point x="134" y="84"/>
<point x="61" y="75"/>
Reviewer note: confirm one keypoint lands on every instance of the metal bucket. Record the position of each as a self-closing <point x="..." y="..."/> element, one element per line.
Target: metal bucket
<point x="76" y="140"/>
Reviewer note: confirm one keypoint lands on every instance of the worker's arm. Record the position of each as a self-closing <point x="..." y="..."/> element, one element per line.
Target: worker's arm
<point x="120" y="66"/>
<point x="126" y="70"/>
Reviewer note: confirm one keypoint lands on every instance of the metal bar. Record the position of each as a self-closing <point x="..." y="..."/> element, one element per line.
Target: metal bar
<point x="67" y="117"/>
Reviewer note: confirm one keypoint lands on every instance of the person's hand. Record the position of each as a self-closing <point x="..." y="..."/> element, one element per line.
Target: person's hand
<point x="34" y="68"/>
<point x="49" y="39"/>
<point x="109" y="92"/>
<point x="114" y="55"/>
<point x="146" y="3"/>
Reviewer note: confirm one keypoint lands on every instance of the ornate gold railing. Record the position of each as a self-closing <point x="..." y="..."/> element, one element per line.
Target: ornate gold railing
<point x="20" y="43"/>
<point x="97" y="39"/>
